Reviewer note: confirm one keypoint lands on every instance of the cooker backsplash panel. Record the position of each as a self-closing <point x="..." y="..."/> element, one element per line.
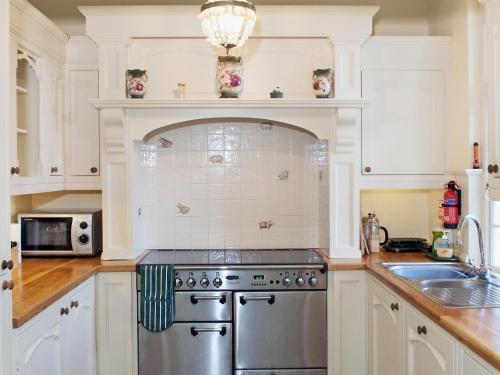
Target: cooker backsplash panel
<point x="233" y="185"/>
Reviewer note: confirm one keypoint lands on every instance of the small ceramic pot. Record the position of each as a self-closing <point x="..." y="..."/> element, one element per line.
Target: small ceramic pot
<point x="276" y="93"/>
<point x="229" y="79"/>
<point x="137" y="83"/>
<point x="322" y="83"/>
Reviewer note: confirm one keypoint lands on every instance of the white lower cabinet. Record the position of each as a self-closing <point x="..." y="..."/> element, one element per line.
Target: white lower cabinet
<point x="428" y="349"/>
<point x="61" y="339"/>
<point x="385" y="331"/>
<point x="402" y="341"/>
<point x="116" y="323"/>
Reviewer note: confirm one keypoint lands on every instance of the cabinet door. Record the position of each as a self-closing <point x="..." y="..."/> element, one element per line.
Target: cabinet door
<point x="40" y="347"/>
<point x="472" y="367"/>
<point x="5" y="327"/>
<point x="385" y="331"/>
<point x="403" y="127"/>
<point x="80" y="343"/>
<point x="348" y="314"/>
<point x="84" y="124"/>
<point x="53" y="131"/>
<point x="428" y="349"/>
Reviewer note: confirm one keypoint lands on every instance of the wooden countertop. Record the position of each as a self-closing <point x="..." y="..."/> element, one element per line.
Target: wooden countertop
<point x="478" y="329"/>
<point x="39" y="282"/>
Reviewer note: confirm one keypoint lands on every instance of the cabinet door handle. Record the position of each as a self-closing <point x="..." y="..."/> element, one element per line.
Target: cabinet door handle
<point x="54" y="170"/>
<point x="8" y="285"/>
<point x="93" y="170"/>
<point x="493" y="168"/>
<point x="395" y="306"/>
<point x="7" y="264"/>
<point x="422" y="330"/>
<point x="74" y="304"/>
<point x="368" y="169"/>
<point x="15" y="170"/>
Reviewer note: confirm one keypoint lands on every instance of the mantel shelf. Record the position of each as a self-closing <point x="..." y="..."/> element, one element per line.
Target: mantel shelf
<point x="229" y="103"/>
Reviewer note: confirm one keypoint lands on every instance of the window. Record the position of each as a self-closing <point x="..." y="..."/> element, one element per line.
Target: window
<point x="495" y="234"/>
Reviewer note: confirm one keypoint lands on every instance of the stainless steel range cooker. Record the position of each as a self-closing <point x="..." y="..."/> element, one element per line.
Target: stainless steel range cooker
<point x="241" y="312"/>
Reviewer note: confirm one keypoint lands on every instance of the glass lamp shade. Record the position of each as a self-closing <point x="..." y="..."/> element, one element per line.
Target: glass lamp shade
<point x="227" y="23"/>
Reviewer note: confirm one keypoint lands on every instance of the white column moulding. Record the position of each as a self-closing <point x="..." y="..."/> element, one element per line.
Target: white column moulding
<point x="124" y="121"/>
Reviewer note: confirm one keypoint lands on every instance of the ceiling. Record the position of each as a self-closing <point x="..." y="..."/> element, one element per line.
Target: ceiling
<point x="68" y="8"/>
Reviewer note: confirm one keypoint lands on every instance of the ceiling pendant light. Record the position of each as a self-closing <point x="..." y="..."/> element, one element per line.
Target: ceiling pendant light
<point x="227" y="23"/>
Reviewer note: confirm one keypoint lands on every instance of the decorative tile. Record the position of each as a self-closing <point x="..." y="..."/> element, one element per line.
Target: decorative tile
<point x="215" y="158"/>
<point x="164" y="142"/>
<point x="283" y="176"/>
<point x="182" y="209"/>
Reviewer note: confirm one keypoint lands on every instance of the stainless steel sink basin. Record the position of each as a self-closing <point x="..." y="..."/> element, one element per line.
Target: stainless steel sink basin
<point x="462" y="293"/>
<point x="449" y="284"/>
<point x="428" y="271"/>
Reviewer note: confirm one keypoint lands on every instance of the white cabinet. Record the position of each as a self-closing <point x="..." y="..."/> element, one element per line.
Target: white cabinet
<point x="61" y="339"/>
<point x="428" y="349"/>
<point x="385" y="311"/>
<point x="403" y="126"/>
<point x="471" y="364"/>
<point x="83" y="129"/>
<point x="37" y="56"/>
<point x="116" y="323"/>
<point x="5" y="325"/>
<point x="347" y="334"/>
<point x="82" y="138"/>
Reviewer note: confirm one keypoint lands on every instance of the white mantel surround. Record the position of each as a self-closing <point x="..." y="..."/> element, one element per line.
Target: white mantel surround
<point x="118" y="30"/>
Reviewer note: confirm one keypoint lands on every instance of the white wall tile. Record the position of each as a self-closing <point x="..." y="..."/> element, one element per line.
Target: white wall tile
<point x="228" y="175"/>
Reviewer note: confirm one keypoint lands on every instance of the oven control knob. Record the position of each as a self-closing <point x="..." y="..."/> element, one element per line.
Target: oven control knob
<point x="191" y="282"/>
<point x="204" y="282"/>
<point x="83" y="239"/>
<point x="286" y="281"/>
<point x="178" y="282"/>
<point x="84" y="225"/>
<point x="300" y="281"/>
<point x="313" y="281"/>
<point x="218" y="282"/>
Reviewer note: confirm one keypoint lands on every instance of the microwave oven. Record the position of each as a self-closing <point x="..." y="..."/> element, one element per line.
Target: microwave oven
<point x="60" y="233"/>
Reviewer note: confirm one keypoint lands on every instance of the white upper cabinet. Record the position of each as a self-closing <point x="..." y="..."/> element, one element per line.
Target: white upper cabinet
<point x="36" y="84"/>
<point x="83" y="129"/>
<point x="82" y="137"/>
<point x="403" y="126"/>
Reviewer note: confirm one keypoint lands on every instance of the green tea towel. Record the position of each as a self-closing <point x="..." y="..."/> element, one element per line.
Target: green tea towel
<point x="157" y="304"/>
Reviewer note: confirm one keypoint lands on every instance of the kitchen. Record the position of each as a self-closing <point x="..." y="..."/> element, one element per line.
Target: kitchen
<point x="242" y="172"/>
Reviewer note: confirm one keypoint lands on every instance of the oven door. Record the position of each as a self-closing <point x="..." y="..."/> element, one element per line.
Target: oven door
<point x="187" y="349"/>
<point x="47" y="235"/>
<point x="280" y="330"/>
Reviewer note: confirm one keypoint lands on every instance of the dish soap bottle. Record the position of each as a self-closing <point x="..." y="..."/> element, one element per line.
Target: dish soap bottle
<point x="443" y="247"/>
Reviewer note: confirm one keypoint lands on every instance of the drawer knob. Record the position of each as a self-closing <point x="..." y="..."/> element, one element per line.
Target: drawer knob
<point x="15" y="170"/>
<point x="422" y="330"/>
<point x="368" y="169"/>
<point x="74" y="304"/>
<point x="7" y="264"/>
<point x="64" y="311"/>
<point x="93" y="170"/>
<point x="8" y="285"/>
<point x="493" y="168"/>
<point x="395" y="306"/>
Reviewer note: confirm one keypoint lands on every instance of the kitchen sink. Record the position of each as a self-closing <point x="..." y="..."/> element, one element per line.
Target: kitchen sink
<point x="449" y="284"/>
<point x="428" y="271"/>
<point x="462" y="293"/>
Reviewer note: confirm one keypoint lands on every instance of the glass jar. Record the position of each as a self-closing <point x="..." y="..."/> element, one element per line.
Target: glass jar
<point x="229" y="78"/>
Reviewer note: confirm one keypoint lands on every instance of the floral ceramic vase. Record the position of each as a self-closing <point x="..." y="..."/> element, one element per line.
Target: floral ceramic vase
<point x="137" y="83"/>
<point x="322" y="83"/>
<point x="229" y="76"/>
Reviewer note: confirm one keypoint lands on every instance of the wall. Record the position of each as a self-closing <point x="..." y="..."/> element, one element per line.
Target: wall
<point x="405" y="213"/>
<point x="234" y="185"/>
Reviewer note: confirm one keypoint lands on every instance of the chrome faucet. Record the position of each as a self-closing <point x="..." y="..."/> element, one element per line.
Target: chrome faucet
<point x="483" y="270"/>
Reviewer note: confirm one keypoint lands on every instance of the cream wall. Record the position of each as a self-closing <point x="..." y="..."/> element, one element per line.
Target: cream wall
<point x="405" y="213"/>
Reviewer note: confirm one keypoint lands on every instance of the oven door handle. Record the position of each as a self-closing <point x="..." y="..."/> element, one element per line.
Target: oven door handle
<point x="195" y="299"/>
<point x="222" y="331"/>
<point x="270" y="299"/>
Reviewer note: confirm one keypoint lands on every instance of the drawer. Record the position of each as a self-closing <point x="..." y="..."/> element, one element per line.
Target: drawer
<point x="203" y="306"/>
<point x="187" y="349"/>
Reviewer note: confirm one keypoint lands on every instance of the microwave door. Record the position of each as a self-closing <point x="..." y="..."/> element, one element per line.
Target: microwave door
<point x="48" y="235"/>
